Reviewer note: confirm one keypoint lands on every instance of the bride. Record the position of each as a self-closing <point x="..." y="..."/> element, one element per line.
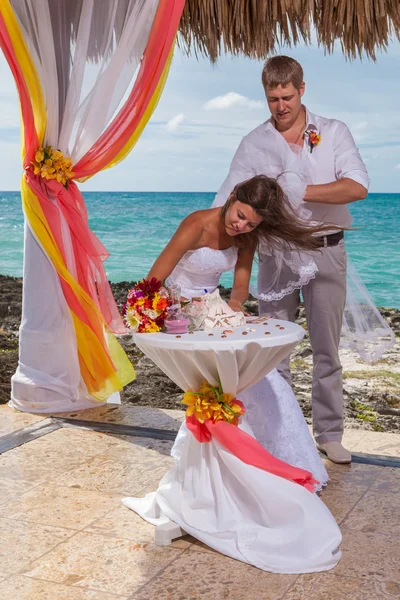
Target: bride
<point x="244" y="512"/>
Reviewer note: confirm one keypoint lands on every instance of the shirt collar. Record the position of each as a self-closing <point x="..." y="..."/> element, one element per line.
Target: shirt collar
<point x="311" y="121"/>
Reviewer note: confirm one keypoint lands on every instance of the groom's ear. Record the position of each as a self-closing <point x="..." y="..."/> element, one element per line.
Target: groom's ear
<point x="302" y="88"/>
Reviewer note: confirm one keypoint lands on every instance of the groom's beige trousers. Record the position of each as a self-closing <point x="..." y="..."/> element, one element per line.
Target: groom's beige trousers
<point x="324" y="299"/>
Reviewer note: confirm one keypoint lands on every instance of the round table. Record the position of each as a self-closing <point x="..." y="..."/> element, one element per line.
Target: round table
<point x="212" y="492"/>
<point x="237" y="357"/>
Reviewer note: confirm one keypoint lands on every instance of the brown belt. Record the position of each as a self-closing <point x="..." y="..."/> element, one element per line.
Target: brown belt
<point x="330" y="240"/>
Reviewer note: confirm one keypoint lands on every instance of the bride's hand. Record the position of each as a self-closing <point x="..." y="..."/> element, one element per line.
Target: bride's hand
<point x="236" y="306"/>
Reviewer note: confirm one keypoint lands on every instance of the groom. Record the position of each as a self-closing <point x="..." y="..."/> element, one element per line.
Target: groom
<point x="338" y="176"/>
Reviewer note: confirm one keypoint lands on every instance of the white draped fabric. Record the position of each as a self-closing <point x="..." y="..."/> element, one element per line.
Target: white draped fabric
<point x="239" y="361"/>
<point x="235" y="508"/>
<point x="86" y="53"/>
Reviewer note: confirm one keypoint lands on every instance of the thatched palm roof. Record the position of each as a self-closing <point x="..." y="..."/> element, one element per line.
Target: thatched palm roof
<point x="255" y="28"/>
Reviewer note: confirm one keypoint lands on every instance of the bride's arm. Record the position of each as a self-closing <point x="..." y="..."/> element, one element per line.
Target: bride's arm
<point x="185" y="238"/>
<point x="241" y="280"/>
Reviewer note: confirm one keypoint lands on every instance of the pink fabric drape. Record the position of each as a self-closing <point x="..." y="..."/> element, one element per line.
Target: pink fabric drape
<point x="248" y="450"/>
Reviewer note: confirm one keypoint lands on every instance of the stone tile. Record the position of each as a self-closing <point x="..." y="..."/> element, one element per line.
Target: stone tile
<point x="131" y="447"/>
<point x="11" y="489"/>
<point x="341" y="497"/>
<point x="352" y="437"/>
<point x="61" y="506"/>
<point x="384" y="444"/>
<point x="72" y="441"/>
<point x="327" y="586"/>
<point x="198" y="546"/>
<point x="354" y="473"/>
<point x="140" y="416"/>
<point x="369" y="555"/>
<point x="12" y="420"/>
<point x="388" y="481"/>
<point x="126" y="524"/>
<point x="53" y="454"/>
<point x="20" y="587"/>
<point x="38" y="467"/>
<point x="206" y="576"/>
<point x="105" y="474"/>
<point x="106" y="564"/>
<point x="23" y="542"/>
<point x="375" y="512"/>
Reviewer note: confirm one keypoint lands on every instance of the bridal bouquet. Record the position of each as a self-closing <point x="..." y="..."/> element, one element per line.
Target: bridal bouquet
<point x="145" y="309"/>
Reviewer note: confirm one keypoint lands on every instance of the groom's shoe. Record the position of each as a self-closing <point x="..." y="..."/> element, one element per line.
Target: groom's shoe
<point x="335" y="452"/>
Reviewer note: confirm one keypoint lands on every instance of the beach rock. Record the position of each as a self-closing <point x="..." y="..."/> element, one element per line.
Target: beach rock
<point x="371" y="392"/>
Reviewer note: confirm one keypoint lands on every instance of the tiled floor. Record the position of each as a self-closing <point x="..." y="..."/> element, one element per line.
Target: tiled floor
<point x="66" y="536"/>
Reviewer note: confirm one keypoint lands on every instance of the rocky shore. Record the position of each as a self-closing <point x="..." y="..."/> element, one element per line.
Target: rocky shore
<point x="371" y="392"/>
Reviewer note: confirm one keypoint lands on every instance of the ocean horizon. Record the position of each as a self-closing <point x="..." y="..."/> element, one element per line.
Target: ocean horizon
<point x="135" y="227"/>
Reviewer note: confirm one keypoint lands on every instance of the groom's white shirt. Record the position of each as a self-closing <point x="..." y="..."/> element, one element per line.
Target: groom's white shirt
<point x="265" y="151"/>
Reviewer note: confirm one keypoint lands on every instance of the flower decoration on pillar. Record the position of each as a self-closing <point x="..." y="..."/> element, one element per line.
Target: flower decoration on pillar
<point x="52" y="164"/>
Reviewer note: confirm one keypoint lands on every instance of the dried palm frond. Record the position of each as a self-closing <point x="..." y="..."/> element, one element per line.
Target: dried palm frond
<point x="255" y="28"/>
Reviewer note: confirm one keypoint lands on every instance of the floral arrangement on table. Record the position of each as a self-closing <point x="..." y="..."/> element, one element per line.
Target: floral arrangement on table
<point x="52" y="164"/>
<point x="211" y="402"/>
<point x="146" y="306"/>
<point x="314" y="138"/>
<point x="150" y="307"/>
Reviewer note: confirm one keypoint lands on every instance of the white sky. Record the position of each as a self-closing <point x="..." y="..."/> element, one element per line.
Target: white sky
<point x="206" y="110"/>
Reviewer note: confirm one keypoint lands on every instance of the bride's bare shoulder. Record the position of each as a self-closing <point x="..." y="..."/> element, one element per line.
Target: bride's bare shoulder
<point x="200" y="219"/>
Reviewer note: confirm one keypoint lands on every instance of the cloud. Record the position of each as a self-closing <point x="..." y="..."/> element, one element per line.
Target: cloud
<point x="360" y="131"/>
<point x="397" y="167"/>
<point x="230" y="100"/>
<point x="174" y="123"/>
<point x="360" y="126"/>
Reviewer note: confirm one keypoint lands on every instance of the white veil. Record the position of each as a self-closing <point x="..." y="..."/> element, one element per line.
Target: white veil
<point x="364" y="330"/>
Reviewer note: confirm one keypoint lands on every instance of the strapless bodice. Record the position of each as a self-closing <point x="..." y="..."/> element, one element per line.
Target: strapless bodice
<point x="199" y="271"/>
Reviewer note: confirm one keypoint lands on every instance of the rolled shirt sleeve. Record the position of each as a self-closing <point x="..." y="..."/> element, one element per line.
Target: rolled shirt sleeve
<point x="240" y="170"/>
<point x="348" y="162"/>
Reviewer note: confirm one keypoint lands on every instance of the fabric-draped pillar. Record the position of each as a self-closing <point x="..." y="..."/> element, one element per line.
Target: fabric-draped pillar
<point x="89" y="74"/>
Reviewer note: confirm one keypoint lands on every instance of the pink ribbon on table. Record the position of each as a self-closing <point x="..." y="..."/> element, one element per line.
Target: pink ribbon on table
<point x="248" y="450"/>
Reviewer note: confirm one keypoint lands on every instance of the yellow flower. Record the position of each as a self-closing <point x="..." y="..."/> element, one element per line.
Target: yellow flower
<point x="53" y="165"/>
<point x="152" y="327"/>
<point x="156" y="299"/>
<point x="39" y="156"/>
<point x="132" y="319"/>
<point x="210" y="403"/>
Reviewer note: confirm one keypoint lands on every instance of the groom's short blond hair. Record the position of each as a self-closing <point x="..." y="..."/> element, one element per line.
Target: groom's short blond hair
<point x="281" y="70"/>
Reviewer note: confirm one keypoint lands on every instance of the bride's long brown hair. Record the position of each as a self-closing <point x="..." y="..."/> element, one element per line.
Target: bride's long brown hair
<point x="280" y="227"/>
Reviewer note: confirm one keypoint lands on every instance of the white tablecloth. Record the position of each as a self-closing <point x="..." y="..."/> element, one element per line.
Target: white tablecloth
<point x="235" y="508"/>
<point x="239" y="359"/>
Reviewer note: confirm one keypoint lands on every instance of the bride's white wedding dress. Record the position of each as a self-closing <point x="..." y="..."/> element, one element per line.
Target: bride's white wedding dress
<point x="272" y="410"/>
<point x="238" y="509"/>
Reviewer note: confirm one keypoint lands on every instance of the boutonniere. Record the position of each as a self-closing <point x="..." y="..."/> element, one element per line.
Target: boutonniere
<point x="314" y="138"/>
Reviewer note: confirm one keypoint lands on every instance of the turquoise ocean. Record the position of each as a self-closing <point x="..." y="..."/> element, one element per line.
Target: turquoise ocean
<point x="135" y="226"/>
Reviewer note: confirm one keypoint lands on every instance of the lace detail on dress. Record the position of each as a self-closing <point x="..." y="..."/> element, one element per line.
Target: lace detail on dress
<point x="306" y="273"/>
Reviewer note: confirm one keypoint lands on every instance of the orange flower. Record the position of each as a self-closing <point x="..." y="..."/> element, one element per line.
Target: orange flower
<point x="51" y="164"/>
<point x="211" y="403"/>
<point x="314" y="139"/>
